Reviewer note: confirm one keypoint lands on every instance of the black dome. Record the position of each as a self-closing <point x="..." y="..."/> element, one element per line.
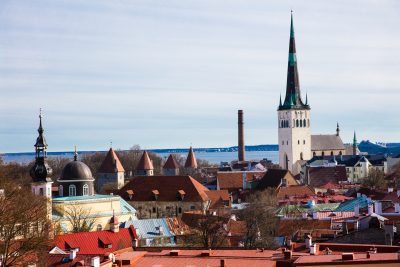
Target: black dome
<point x="76" y="170"/>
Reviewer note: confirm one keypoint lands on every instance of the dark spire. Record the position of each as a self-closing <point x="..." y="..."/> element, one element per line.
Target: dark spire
<point x="354" y="144"/>
<point x="337" y="129"/>
<point x="40" y="170"/>
<point x="40" y="140"/>
<point x="280" y="100"/>
<point x="293" y="95"/>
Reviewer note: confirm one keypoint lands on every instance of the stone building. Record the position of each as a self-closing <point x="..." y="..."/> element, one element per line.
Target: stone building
<point x="145" y="166"/>
<point x="165" y="196"/>
<point x="111" y="173"/>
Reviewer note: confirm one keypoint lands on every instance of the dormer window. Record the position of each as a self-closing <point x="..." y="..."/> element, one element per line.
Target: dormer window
<point x="130" y="194"/>
<point x="155" y="194"/>
<point x="181" y="194"/>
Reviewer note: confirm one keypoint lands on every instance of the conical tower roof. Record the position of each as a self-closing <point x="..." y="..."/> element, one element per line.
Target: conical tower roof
<point x="171" y="163"/>
<point x="293" y="95"/>
<point x="111" y="163"/>
<point x="191" y="161"/>
<point x="145" y="163"/>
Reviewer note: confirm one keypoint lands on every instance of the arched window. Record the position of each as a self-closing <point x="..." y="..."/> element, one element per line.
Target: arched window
<point x="85" y="190"/>
<point x="331" y="153"/>
<point x="281" y="123"/>
<point x="323" y="153"/>
<point x="61" y="191"/>
<point x="301" y="156"/>
<point x="314" y="154"/>
<point x="304" y="142"/>
<point x="298" y="142"/>
<point x="301" y="123"/>
<point x="297" y="123"/>
<point x="304" y="123"/>
<point x="72" y="190"/>
<point x="287" y="124"/>
<point x="99" y="227"/>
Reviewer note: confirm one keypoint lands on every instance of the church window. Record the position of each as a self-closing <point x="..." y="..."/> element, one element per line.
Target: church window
<point x="301" y="123"/>
<point x="304" y="142"/>
<point x="297" y="123"/>
<point x="298" y="142"/>
<point x="301" y="156"/>
<point x="304" y="123"/>
<point x="61" y="191"/>
<point x="323" y="153"/>
<point x="85" y="190"/>
<point x="287" y="142"/>
<point x="72" y="190"/>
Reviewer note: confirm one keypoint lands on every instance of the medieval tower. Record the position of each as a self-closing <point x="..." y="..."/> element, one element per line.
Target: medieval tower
<point x="294" y="134"/>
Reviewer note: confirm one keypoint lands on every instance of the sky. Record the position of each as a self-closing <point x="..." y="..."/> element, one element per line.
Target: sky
<point x="165" y="74"/>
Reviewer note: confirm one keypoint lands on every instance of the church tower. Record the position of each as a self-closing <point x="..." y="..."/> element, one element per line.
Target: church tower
<point x="41" y="171"/>
<point x="294" y="134"/>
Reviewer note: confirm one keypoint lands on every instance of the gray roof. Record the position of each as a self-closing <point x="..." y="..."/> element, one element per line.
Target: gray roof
<point x="326" y="142"/>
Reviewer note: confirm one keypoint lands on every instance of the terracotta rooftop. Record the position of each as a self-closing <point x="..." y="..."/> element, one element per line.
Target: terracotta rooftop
<point x="358" y="258"/>
<point x="184" y="258"/>
<point x="111" y="163"/>
<point x="295" y="190"/>
<point x="96" y="242"/>
<point x="218" y="197"/>
<point x="167" y="187"/>
<point x="320" y="176"/>
<point x="171" y="163"/>
<point x="234" y="179"/>
<point x="145" y="163"/>
<point x="191" y="161"/>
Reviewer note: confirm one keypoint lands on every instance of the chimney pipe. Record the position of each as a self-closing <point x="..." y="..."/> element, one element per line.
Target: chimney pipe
<point x="240" y="136"/>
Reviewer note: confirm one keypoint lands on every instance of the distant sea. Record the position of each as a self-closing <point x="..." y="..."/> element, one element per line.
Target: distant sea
<point x="212" y="157"/>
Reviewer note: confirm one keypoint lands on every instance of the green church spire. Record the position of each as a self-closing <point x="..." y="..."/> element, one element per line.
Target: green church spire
<point x="293" y="94"/>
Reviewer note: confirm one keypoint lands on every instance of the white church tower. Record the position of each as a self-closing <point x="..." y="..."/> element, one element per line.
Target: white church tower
<point x="293" y="117"/>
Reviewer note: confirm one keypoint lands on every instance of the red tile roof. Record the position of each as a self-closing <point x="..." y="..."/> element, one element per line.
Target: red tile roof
<point x="167" y="186"/>
<point x="232" y="258"/>
<point x="295" y="190"/>
<point x="359" y="258"/>
<point x="171" y="163"/>
<point x="234" y="180"/>
<point x="145" y="163"/>
<point x="94" y="242"/>
<point x="111" y="163"/>
<point x="191" y="161"/>
<point x="320" y="176"/>
<point x="218" y="197"/>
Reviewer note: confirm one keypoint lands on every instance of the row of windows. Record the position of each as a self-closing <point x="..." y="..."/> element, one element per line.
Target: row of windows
<point x="296" y="123"/>
<point x="298" y="142"/>
<point x="72" y="190"/>
<point x="323" y="153"/>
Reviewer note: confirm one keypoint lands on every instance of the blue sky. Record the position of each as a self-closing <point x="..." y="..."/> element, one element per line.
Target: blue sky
<point x="173" y="73"/>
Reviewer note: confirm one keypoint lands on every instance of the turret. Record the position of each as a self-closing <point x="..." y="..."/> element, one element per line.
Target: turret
<point x="171" y="167"/>
<point x="145" y="166"/>
<point x="354" y="144"/>
<point x="337" y="129"/>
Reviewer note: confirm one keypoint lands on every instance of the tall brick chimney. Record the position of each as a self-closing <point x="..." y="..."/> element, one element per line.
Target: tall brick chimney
<point x="240" y="136"/>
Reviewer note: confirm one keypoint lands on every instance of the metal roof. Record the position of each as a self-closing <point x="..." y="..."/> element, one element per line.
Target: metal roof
<point x="149" y="228"/>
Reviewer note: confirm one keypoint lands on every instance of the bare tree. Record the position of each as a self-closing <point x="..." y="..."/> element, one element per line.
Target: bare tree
<point x="260" y="219"/>
<point x="80" y="219"/>
<point x="24" y="224"/>
<point x="207" y="231"/>
<point x="375" y="179"/>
